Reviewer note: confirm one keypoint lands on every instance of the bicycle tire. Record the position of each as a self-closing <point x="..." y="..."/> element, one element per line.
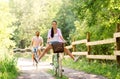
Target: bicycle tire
<point x="54" y="60"/>
<point x="57" y="65"/>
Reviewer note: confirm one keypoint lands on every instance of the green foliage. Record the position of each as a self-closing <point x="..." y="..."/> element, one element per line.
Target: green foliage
<point x="108" y="70"/>
<point x="97" y="17"/>
<point x="65" y="18"/>
<point x="32" y="15"/>
<point x="8" y="68"/>
<point x="6" y="28"/>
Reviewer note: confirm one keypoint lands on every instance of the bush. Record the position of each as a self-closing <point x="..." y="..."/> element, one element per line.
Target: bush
<point x="8" y="68"/>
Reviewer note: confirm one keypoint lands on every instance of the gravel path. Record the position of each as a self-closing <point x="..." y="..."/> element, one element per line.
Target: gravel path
<point x="28" y="71"/>
<point x="74" y="74"/>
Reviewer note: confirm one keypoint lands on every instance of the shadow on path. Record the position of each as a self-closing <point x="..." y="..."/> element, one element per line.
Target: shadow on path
<point x="74" y="74"/>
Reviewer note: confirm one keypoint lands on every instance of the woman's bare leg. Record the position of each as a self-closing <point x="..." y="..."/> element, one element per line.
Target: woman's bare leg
<point x="45" y="51"/>
<point x="69" y="53"/>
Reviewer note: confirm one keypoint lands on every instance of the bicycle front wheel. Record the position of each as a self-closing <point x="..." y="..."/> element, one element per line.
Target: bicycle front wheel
<point x="55" y="64"/>
<point x="59" y="66"/>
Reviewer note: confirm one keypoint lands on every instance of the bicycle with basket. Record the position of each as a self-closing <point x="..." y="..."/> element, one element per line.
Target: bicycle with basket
<point x="58" y="49"/>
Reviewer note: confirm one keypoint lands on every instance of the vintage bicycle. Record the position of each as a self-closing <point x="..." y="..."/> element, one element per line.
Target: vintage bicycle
<point x="58" y="50"/>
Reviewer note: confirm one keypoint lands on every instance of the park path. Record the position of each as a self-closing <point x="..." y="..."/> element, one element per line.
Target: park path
<point x="74" y="74"/>
<point x="28" y="71"/>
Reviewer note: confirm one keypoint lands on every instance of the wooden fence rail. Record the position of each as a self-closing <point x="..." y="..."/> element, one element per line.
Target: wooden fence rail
<point x="117" y="34"/>
<point x="88" y="43"/>
<point x="79" y="42"/>
<point x="116" y="52"/>
<point x="107" y="41"/>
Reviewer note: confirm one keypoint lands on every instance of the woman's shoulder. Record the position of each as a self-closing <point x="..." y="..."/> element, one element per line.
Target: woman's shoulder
<point x="58" y="29"/>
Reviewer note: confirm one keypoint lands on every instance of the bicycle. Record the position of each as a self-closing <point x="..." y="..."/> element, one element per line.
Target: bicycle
<point x="57" y="63"/>
<point x="35" y="56"/>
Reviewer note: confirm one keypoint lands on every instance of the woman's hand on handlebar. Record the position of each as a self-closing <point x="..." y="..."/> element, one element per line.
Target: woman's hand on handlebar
<point x="64" y="41"/>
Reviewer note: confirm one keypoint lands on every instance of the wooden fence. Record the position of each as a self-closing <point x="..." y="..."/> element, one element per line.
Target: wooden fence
<point x="115" y="40"/>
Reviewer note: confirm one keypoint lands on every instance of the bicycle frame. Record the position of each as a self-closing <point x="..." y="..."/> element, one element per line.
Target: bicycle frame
<point x="57" y="64"/>
<point x="35" y="56"/>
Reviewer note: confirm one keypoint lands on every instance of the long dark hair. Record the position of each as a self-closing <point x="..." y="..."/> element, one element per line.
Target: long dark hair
<point x="52" y="31"/>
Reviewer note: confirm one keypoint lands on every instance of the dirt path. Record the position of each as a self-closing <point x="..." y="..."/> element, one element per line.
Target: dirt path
<point x="74" y="74"/>
<point x="28" y="71"/>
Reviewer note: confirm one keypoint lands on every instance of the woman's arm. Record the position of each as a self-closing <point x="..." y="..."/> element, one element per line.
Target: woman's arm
<point x="61" y="37"/>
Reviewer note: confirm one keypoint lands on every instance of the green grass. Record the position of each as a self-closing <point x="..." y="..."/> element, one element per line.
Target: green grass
<point x="108" y="70"/>
<point x="8" y="69"/>
<point x="25" y="55"/>
<point x="56" y="77"/>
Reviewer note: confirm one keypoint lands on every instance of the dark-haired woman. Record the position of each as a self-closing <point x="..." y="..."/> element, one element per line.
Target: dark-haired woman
<point x="54" y="34"/>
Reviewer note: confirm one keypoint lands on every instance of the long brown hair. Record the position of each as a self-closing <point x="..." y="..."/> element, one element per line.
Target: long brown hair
<point x="52" y="31"/>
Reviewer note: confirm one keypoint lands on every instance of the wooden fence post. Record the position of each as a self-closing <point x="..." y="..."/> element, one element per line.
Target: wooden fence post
<point x="88" y="47"/>
<point x="73" y="46"/>
<point x="118" y="44"/>
<point x="88" y="40"/>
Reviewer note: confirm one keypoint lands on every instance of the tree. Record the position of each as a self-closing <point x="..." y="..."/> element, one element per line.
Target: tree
<point x="32" y="16"/>
<point x="6" y="28"/>
<point x="66" y="18"/>
<point x="97" y="17"/>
